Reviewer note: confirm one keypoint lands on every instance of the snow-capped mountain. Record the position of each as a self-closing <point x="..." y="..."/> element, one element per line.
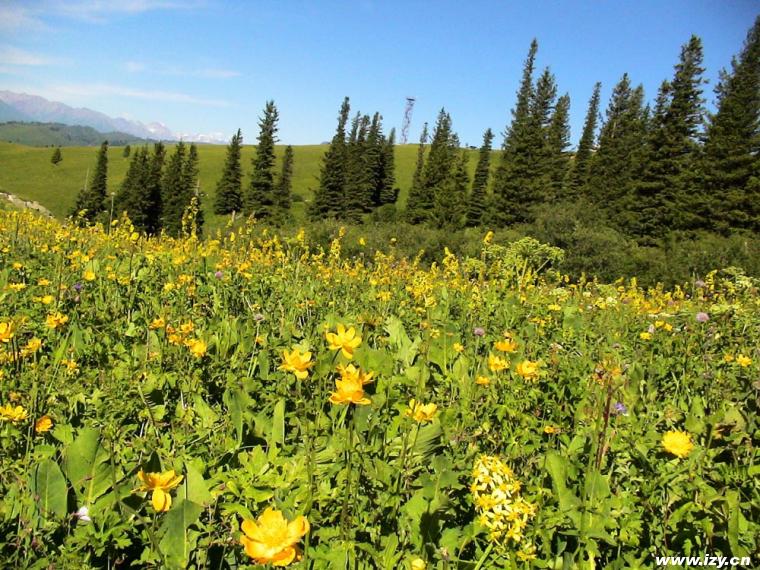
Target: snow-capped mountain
<point x="35" y="108"/>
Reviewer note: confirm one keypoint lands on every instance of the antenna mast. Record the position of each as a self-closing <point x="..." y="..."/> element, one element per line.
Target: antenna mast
<point x="407" y="119"/>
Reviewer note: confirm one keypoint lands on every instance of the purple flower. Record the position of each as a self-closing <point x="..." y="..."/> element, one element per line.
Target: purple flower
<point x="479" y="331"/>
<point x="702" y="317"/>
<point x="218" y="274"/>
<point x="258" y="317"/>
<point x="77" y="287"/>
<point x="699" y="283"/>
<point x="620" y="409"/>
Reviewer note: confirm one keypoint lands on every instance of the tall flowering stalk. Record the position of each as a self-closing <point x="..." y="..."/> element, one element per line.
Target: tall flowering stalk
<point x="501" y="508"/>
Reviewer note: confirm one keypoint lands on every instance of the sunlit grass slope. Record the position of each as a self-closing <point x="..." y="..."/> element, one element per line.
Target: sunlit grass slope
<point x="28" y="173"/>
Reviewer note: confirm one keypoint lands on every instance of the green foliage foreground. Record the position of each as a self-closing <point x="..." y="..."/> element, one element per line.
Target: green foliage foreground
<point x="155" y="394"/>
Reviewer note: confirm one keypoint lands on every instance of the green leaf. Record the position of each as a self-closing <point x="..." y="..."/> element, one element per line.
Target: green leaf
<point x="175" y="545"/>
<point x="50" y="489"/>
<point x="195" y="488"/>
<point x="84" y="466"/>
<point x="596" y="488"/>
<point x="277" y="434"/>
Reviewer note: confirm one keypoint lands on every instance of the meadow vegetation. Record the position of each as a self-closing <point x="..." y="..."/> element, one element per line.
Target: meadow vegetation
<point x="257" y="399"/>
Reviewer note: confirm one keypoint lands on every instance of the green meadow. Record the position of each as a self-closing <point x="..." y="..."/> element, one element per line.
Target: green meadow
<point x="28" y="173"/>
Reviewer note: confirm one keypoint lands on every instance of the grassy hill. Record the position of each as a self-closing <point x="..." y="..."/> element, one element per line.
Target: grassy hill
<point x="27" y="172"/>
<point x="57" y="134"/>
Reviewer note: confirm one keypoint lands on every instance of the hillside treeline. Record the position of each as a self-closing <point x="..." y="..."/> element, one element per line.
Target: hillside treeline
<point x="644" y="174"/>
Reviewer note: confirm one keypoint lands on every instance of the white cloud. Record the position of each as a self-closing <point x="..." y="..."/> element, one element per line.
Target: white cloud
<point x="160" y="69"/>
<point x="107" y="89"/>
<point x="14" y="17"/>
<point x="100" y="10"/>
<point x="10" y="55"/>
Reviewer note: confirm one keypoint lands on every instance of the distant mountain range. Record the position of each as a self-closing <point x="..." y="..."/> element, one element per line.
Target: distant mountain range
<point x="24" y="107"/>
<point x="57" y="134"/>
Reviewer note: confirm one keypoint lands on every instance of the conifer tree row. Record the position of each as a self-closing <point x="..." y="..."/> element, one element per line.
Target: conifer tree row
<point x="357" y="170"/>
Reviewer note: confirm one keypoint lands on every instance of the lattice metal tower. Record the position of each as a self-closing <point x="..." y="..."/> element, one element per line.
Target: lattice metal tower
<point x="407" y="119"/>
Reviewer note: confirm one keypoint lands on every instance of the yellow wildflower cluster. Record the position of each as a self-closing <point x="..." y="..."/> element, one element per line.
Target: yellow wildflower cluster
<point x="496" y="494"/>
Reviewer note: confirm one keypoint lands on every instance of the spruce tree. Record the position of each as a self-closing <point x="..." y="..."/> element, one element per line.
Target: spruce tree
<point x="668" y="196"/>
<point x="154" y="207"/>
<point x="388" y="190"/>
<point x="450" y="195"/>
<point x="357" y="190"/>
<point x="260" y="198"/>
<point x="579" y="169"/>
<point x="228" y="189"/>
<point x="731" y="162"/>
<point x="511" y="196"/>
<point x="284" y="185"/>
<point x="174" y="196"/>
<point x="127" y="151"/>
<point x="416" y="202"/>
<point x="190" y="171"/>
<point x="57" y="157"/>
<point x="134" y="195"/>
<point x="477" y="202"/>
<point x="329" y="196"/>
<point x="557" y="158"/>
<point x="438" y="172"/>
<point x="614" y="168"/>
<point x="375" y="161"/>
<point x="91" y="200"/>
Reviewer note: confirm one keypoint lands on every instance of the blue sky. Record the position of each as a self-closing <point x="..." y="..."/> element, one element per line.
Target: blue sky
<point x="208" y="66"/>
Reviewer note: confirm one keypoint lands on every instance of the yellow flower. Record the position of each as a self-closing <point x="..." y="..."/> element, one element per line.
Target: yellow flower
<point x="362" y="241"/>
<point x="728" y="358"/>
<point x="31" y="347"/>
<point x="488" y="238"/>
<point x="418" y="564"/>
<point x="743" y="361"/>
<point x="344" y="340"/>
<point x="160" y="484"/>
<point x="646" y="335"/>
<point x="187" y="328"/>
<point x="296" y="362"/>
<point x="350" y="386"/>
<point x="551" y="430"/>
<point x="554" y="307"/>
<point x="458" y="347"/>
<point x="497" y="363"/>
<point x="507" y="345"/>
<point x="89" y="275"/>
<point x="678" y="443"/>
<point x="43" y="282"/>
<point x="17" y="414"/>
<point x="482" y="381"/>
<point x="528" y="369"/>
<point x="56" y="320"/>
<point x="43" y="424"/>
<point x="16" y="286"/>
<point x="47" y="299"/>
<point x="420" y="412"/>
<point x="197" y="347"/>
<point x="158" y="323"/>
<point x="6" y="332"/>
<point x="272" y="539"/>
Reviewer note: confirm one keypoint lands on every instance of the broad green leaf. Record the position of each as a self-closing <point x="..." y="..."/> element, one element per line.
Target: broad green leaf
<point x="277" y="435"/>
<point x="50" y="489"/>
<point x="175" y="545"/>
<point x="195" y="488"/>
<point x="84" y="466"/>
